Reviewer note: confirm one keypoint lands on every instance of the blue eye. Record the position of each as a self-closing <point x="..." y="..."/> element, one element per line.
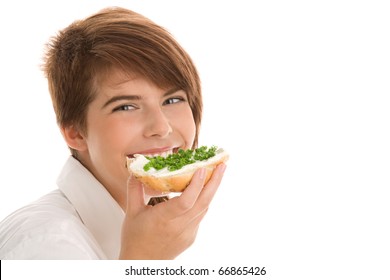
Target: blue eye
<point x="124" y="108"/>
<point x="173" y="100"/>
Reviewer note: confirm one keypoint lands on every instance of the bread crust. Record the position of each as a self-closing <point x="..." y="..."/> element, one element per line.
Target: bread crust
<point x="179" y="181"/>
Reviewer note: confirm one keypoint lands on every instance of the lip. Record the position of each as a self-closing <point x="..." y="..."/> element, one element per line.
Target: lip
<point x="154" y="151"/>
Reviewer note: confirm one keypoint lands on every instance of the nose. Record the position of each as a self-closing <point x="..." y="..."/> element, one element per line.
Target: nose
<point x="158" y="125"/>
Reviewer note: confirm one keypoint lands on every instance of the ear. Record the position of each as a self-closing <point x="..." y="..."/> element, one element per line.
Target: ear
<point x="74" y="138"/>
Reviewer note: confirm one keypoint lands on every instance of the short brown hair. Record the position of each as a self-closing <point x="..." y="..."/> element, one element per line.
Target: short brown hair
<point x="114" y="38"/>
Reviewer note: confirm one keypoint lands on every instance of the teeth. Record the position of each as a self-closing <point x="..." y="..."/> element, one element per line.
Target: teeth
<point x="164" y="154"/>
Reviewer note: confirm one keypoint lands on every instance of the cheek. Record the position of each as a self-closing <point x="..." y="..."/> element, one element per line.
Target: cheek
<point x="107" y="136"/>
<point x="185" y="125"/>
<point x="108" y="143"/>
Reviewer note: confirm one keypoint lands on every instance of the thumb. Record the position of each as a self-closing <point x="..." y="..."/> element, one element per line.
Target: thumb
<point x="135" y="196"/>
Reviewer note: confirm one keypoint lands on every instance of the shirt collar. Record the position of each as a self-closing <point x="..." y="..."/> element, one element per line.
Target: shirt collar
<point x="98" y="210"/>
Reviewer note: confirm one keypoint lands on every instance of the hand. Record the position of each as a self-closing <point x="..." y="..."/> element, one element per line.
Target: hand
<point x="167" y="229"/>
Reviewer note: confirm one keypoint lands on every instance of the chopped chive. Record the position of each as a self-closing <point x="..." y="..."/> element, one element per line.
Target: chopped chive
<point x="181" y="158"/>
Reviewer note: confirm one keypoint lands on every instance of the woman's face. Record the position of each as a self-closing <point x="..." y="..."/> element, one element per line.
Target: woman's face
<point x="133" y="116"/>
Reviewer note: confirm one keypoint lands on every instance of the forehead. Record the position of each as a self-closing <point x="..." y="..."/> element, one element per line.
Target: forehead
<point x="115" y="78"/>
<point x="119" y="84"/>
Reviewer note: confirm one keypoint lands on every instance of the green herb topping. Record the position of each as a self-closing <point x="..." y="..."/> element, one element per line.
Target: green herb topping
<point x="180" y="159"/>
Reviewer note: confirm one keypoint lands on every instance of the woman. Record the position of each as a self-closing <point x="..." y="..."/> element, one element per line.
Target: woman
<point x="120" y="85"/>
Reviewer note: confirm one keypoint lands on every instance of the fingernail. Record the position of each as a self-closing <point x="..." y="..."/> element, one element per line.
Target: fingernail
<point x="202" y="173"/>
<point x="223" y="168"/>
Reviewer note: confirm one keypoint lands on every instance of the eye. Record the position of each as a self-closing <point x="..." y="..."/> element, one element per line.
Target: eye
<point x="173" y="100"/>
<point x="124" y="108"/>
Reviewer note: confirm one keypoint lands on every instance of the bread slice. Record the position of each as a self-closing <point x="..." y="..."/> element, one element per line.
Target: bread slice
<point x="173" y="181"/>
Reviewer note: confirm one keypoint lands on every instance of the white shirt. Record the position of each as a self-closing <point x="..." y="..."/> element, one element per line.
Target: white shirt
<point x="80" y="220"/>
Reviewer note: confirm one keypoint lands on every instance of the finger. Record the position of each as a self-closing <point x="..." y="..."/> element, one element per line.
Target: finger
<point x="209" y="190"/>
<point x="191" y="193"/>
<point x="191" y="229"/>
<point x="135" y="196"/>
<point x="205" y="197"/>
<point x="195" y="217"/>
<point x="181" y="204"/>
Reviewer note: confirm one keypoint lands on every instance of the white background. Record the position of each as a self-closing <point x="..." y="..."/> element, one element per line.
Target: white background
<point x="296" y="91"/>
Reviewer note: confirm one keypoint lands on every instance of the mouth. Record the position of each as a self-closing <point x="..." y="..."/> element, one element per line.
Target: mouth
<point x="163" y="152"/>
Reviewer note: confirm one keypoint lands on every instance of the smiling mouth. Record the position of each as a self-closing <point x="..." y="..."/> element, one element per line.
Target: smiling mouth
<point x="153" y="153"/>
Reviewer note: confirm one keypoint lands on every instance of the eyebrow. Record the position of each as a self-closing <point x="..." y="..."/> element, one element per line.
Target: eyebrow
<point x="135" y="97"/>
